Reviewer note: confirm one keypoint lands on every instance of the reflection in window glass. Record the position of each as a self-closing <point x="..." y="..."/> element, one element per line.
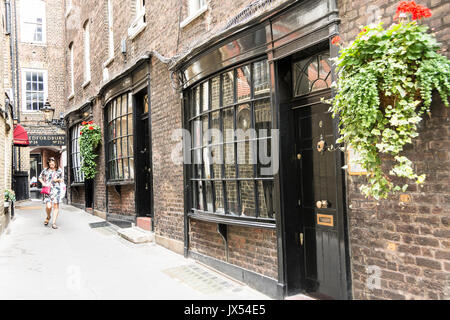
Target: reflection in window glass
<point x="120" y="139"/>
<point x="225" y="176"/>
<point x="228" y="88"/>
<point x="312" y="74"/>
<point x="243" y="84"/>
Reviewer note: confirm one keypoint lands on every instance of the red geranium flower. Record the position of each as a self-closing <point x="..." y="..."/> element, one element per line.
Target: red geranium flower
<point x="91" y="122"/>
<point x="417" y="11"/>
<point x="335" y="40"/>
<point x="81" y="133"/>
<point x="91" y="128"/>
<point x="83" y="123"/>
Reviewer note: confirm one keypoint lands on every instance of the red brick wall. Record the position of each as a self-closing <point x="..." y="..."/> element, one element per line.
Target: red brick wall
<point x="409" y="243"/>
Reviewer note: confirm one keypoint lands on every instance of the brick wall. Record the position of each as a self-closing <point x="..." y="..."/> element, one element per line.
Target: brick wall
<point x="405" y="245"/>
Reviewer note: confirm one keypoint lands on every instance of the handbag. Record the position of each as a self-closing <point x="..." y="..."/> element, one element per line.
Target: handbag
<point x="45" y="190"/>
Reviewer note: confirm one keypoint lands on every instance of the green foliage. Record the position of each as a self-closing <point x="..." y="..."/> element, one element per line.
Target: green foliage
<point x="10" y="196"/>
<point x="90" y="138"/>
<point x="386" y="80"/>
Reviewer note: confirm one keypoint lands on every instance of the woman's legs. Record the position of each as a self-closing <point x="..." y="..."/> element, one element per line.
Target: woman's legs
<point x="48" y="210"/>
<point x="55" y="212"/>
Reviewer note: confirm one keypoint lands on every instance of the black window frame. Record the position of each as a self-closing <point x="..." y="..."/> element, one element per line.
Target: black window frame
<point x="258" y="181"/>
<point x="112" y="156"/>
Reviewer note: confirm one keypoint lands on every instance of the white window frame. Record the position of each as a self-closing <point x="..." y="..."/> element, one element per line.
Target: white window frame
<point x="195" y="9"/>
<point x="87" y="54"/>
<point x="139" y="23"/>
<point x="76" y="163"/>
<point x="68" y="8"/>
<point x="24" y="87"/>
<point x="35" y="8"/>
<point x="72" y="76"/>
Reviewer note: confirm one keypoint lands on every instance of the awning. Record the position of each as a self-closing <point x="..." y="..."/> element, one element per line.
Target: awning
<point x="20" y="136"/>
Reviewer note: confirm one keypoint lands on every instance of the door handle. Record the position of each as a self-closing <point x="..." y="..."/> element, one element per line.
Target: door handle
<point x="301" y="238"/>
<point x="322" y="204"/>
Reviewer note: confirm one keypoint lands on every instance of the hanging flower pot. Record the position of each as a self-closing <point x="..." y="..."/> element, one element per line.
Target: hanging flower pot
<point x="90" y="137"/>
<point x="386" y="81"/>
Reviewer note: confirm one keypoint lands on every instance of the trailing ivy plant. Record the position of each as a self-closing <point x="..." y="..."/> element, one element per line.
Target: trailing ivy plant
<point x="386" y="79"/>
<point x="90" y="137"/>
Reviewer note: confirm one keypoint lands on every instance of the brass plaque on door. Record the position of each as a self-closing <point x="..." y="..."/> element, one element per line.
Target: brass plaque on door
<point x="325" y="220"/>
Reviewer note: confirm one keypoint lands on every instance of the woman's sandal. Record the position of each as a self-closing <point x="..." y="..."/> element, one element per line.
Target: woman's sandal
<point x="54" y="226"/>
<point x="46" y="221"/>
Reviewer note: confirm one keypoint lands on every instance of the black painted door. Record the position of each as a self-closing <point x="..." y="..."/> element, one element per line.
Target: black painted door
<point x="143" y="164"/>
<point x="318" y="199"/>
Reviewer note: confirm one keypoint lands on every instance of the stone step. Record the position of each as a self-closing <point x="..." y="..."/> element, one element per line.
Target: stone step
<point x="136" y="235"/>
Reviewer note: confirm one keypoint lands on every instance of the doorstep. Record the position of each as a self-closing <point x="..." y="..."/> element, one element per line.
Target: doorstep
<point x="136" y="235"/>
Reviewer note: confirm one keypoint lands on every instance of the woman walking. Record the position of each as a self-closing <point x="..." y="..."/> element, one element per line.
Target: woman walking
<point x="52" y="177"/>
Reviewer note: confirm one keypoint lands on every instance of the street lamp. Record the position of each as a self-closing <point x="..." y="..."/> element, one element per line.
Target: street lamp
<point x="49" y="112"/>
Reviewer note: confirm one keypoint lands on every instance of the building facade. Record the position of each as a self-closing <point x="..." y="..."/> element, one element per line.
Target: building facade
<point x="246" y="203"/>
<point x="6" y="119"/>
<point x="39" y="77"/>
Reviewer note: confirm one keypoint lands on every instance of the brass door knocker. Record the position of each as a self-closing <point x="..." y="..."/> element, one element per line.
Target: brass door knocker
<point x="321" y="145"/>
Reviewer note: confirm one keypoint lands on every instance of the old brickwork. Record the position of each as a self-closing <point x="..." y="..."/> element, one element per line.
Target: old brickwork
<point x="404" y="245"/>
<point x="166" y="115"/>
<point x="6" y="123"/>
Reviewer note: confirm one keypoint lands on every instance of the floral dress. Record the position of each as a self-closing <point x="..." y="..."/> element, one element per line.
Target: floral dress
<point x="55" y="190"/>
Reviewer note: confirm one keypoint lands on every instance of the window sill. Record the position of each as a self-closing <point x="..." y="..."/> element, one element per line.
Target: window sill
<point x="120" y="183"/>
<point x="134" y="31"/>
<point x="77" y="184"/>
<point x="233" y="220"/>
<point x="189" y="19"/>
<point x="86" y="83"/>
<point x="107" y="63"/>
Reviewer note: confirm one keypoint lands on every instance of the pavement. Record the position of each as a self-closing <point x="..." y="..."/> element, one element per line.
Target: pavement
<point x="79" y="262"/>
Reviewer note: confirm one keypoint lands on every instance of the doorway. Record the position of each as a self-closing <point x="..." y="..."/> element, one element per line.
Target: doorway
<point x="143" y="188"/>
<point x="312" y="182"/>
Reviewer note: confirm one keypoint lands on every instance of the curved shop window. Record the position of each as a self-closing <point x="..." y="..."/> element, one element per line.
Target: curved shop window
<point x="227" y="172"/>
<point x="119" y="138"/>
<point x="77" y="174"/>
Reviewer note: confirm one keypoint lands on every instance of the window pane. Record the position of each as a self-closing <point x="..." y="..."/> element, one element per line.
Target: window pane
<point x="230" y="162"/>
<point x="227" y="88"/>
<point x="246" y="156"/>
<point x="119" y="167"/>
<point x="215" y="92"/>
<point x="217" y="161"/>
<point x="263" y="118"/>
<point x="205" y="96"/>
<point x="243" y="84"/>
<point x="228" y="124"/>
<point x="207" y="161"/>
<point x="244" y="118"/>
<point x="261" y="84"/>
<point x="247" y="190"/>
<point x="197" y="100"/>
<point x="131" y="165"/>
<point x="231" y="187"/>
<point x="215" y="126"/>
<point x="124" y="147"/>
<point x="209" y="197"/>
<point x="205" y="127"/>
<point x="265" y="202"/>
<point x="200" y="200"/>
<point x="265" y="160"/>
<point x="130" y="146"/>
<point x="123" y="125"/>
<point x="218" y="188"/>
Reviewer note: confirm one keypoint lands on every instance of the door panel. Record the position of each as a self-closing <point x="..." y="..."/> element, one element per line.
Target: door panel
<point x="318" y="182"/>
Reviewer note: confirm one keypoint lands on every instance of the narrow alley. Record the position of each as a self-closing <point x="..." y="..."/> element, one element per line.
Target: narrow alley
<point x="80" y="262"/>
